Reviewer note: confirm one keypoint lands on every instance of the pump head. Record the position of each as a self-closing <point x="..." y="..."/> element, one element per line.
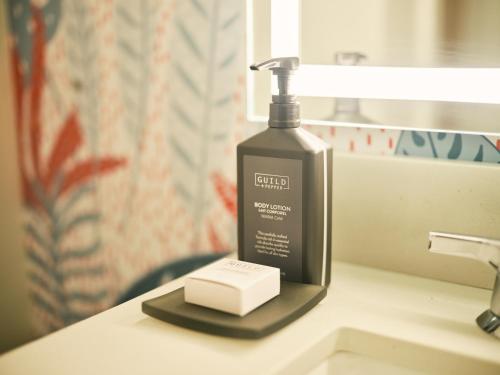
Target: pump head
<point x="278" y="63"/>
<point x="284" y="111"/>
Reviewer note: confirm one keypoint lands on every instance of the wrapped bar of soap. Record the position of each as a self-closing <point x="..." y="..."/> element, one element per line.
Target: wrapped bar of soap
<point x="232" y="286"/>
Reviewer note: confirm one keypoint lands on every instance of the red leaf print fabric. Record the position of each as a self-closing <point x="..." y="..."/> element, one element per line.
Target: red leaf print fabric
<point x="67" y="142"/>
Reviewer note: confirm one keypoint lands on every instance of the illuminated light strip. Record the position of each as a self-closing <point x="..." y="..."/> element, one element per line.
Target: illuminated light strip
<point x="285" y="28"/>
<point x="469" y="85"/>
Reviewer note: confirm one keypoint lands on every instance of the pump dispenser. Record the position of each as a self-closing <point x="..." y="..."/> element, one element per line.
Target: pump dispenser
<point x="348" y="109"/>
<point x="284" y="111"/>
<point x="285" y="189"/>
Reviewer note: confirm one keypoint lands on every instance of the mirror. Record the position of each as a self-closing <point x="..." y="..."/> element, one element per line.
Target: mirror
<point x="406" y="64"/>
<point x="417" y="33"/>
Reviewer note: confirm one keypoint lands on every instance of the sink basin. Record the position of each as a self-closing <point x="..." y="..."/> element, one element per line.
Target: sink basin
<point x="359" y="352"/>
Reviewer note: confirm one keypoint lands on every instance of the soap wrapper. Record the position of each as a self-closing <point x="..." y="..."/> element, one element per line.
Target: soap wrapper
<point x="232" y="286"/>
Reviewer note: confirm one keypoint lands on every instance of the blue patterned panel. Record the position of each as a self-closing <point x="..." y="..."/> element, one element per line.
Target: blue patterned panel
<point x="447" y="146"/>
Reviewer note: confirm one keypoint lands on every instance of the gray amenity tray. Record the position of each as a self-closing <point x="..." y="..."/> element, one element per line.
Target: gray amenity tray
<point x="294" y="300"/>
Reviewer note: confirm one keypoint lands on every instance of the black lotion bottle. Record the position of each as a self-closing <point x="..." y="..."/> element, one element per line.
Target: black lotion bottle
<point x="284" y="178"/>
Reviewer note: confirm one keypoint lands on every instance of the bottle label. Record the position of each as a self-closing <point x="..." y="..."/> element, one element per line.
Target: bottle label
<point x="272" y="213"/>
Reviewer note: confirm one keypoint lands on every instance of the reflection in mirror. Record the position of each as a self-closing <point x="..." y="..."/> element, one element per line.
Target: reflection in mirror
<point x="418" y="33"/>
<point x="413" y="33"/>
<point x="348" y="109"/>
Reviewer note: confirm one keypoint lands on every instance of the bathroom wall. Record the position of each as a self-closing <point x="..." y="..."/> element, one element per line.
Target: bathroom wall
<point x="14" y="314"/>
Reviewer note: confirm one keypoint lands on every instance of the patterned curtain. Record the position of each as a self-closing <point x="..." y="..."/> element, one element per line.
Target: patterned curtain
<point x="127" y="116"/>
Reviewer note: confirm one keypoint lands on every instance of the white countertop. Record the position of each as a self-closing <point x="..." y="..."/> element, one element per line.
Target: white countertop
<point x="123" y="340"/>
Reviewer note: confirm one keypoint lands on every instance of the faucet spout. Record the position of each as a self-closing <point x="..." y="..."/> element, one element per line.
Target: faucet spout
<point x="482" y="249"/>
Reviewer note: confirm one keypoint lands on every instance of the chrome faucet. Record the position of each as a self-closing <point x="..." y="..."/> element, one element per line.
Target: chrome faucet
<point x="483" y="249"/>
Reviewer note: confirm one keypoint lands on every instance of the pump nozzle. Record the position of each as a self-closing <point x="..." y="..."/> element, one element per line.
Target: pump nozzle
<point x="284" y="109"/>
<point x="284" y="63"/>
